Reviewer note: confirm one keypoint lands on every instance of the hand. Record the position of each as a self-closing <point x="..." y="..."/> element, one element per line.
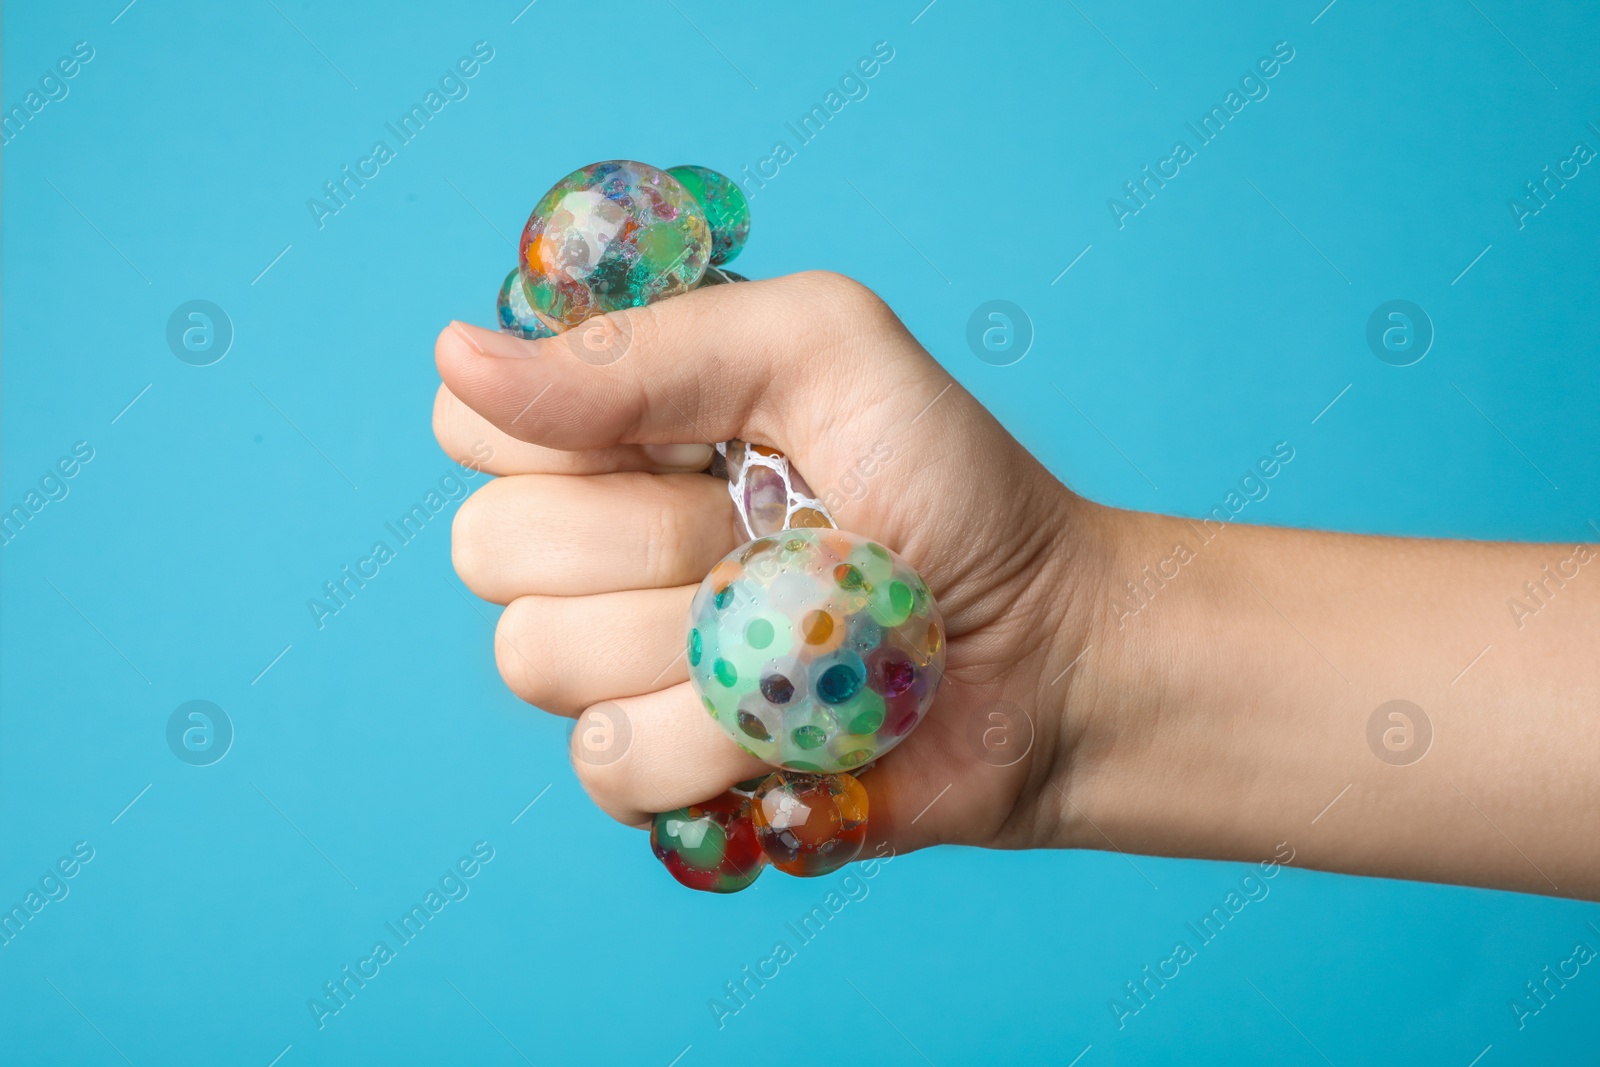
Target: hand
<point x="1230" y="717"/>
<point x="601" y="528"/>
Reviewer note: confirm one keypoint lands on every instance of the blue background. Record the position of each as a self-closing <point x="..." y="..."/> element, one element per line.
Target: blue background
<point x="1223" y="317"/>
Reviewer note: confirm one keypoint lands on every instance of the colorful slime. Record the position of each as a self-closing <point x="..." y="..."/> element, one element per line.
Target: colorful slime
<point x="815" y="649"/>
<point x="610" y="236"/>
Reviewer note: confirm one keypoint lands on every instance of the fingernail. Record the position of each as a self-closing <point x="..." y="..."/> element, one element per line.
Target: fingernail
<point x="491" y="343"/>
<point x="680" y="457"/>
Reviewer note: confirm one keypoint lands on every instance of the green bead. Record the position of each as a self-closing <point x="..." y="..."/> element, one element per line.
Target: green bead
<point x="758" y="634"/>
<point x="867" y="712"/>
<point x="808" y="737"/>
<point x="725" y="207"/>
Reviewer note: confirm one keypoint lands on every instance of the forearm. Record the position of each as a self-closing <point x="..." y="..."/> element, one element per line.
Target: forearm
<point x="1223" y="704"/>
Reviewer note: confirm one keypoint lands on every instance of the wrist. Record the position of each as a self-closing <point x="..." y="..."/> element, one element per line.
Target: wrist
<point x="1075" y="694"/>
<point x="1129" y="682"/>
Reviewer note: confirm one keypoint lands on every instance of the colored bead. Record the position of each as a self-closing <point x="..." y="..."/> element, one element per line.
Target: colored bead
<point x="777" y="689"/>
<point x="834" y="666"/>
<point x="766" y="499"/>
<point x="725" y="206"/>
<point x="817" y="627"/>
<point x="810" y="824"/>
<point x="758" y="634"/>
<point x="848" y="577"/>
<point x="839" y="682"/>
<point x="752" y="725"/>
<point x="890" y="673"/>
<point x="609" y="236"/>
<point x="515" y="313"/>
<point x="711" y="846"/>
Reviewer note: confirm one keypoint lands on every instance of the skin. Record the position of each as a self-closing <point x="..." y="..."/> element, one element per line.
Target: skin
<point x="1226" y="719"/>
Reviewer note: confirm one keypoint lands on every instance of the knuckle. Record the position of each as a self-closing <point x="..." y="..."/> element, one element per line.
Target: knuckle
<point x="443" y="422"/>
<point x="661" y="545"/>
<point x="524" y="655"/>
<point x="841" y="314"/>
<point x="465" y="539"/>
<point x="670" y="531"/>
<point x="602" y="740"/>
<point x="844" y="295"/>
<point x="600" y="781"/>
<point x="477" y="535"/>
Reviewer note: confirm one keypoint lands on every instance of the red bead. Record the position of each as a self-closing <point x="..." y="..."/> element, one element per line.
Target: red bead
<point x="711" y="846"/>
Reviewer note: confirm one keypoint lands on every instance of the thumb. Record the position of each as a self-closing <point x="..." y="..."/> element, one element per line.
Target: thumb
<point x="779" y="362"/>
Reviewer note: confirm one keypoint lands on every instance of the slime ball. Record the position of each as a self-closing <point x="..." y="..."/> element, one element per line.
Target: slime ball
<point x="815" y="649"/>
<point x="726" y="209"/>
<point x="810" y="824"/>
<point x="710" y="846"/>
<point x="515" y="313"/>
<point x="610" y="236"/>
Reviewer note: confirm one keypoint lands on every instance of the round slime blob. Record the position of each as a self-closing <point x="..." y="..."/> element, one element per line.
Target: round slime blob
<point x="726" y="209"/>
<point x="815" y="649"/>
<point x="810" y="824"/>
<point x="515" y="313"/>
<point x="609" y="236"/>
<point x="710" y="846"/>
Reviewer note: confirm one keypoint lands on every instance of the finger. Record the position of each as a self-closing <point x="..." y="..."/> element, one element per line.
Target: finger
<point x="770" y="361"/>
<point x="562" y="536"/>
<point x="473" y="441"/>
<point x="563" y="653"/>
<point x="643" y="754"/>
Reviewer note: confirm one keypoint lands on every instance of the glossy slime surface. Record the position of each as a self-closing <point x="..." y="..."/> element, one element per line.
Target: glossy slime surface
<point x="727" y="211"/>
<point x="711" y="846"/>
<point x="810" y="824"/>
<point x="815" y="649"/>
<point x="514" y="313"/>
<point x="609" y="236"/>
